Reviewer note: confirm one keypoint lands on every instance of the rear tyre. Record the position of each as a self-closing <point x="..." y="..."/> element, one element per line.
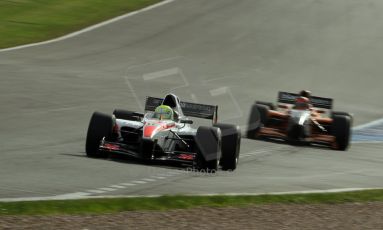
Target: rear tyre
<point x="231" y="142"/>
<point x="100" y="126"/>
<point x="208" y="143"/>
<point x="258" y="118"/>
<point x="341" y="129"/>
<point x="125" y="115"/>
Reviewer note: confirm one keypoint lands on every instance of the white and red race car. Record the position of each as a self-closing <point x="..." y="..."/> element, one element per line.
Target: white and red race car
<point x="152" y="136"/>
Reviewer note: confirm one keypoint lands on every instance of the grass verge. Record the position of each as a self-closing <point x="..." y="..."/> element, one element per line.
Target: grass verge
<point x="29" y="21"/>
<point x="113" y="205"/>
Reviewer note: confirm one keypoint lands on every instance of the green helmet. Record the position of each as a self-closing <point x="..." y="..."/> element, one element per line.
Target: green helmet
<point x="164" y="112"/>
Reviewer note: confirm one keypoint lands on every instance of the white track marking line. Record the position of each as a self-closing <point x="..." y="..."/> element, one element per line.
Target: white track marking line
<point x="315" y="176"/>
<point x="165" y="175"/>
<point x="368" y="125"/>
<point x="107" y="189"/>
<point x="159" y="177"/>
<point x="128" y="184"/>
<point x="117" y="186"/>
<point x="366" y="142"/>
<point x="96" y="191"/>
<point x="175" y="172"/>
<point x="78" y="196"/>
<point x="367" y="128"/>
<point x="90" y="28"/>
<point x="139" y="182"/>
<point x="245" y="155"/>
<point x="112" y="188"/>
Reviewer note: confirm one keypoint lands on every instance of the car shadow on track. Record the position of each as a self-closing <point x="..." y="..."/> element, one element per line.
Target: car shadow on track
<point x="123" y="159"/>
<point x="287" y="143"/>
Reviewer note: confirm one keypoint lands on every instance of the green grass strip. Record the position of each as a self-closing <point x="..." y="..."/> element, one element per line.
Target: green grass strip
<point x="113" y="205"/>
<point x="29" y="21"/>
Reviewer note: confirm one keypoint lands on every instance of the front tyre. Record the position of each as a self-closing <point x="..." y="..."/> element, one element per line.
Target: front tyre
<point x="208" y="143"/>
<point x="337" y="113"/>
<point x="100" y="126"/>
<point x="231" y="142"/>
<point x="341" y="129"/>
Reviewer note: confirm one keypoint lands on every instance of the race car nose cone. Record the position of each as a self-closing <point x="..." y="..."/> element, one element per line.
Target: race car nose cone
<point x="150" y="130"/>
<point x="296" y="131"/>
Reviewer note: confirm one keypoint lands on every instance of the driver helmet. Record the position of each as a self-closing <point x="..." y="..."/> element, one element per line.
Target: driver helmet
<point x="302" y="103"/>
<point x="164" y="112"/>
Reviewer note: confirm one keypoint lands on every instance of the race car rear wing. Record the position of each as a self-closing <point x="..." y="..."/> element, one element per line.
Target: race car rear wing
<point x="189" y="109"/>
<point x="318" y="102"/>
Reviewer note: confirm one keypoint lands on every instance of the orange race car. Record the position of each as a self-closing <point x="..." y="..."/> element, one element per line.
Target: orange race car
<point x="301" y="118"/>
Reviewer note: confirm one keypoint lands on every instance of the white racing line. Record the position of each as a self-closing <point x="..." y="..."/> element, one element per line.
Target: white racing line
<point x="83" y="195"/>
<point x="92" y="193"/>
<point x="90" y="28"/>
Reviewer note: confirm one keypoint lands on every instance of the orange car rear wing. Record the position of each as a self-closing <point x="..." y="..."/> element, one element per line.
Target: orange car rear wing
<point x="317" y="102"/>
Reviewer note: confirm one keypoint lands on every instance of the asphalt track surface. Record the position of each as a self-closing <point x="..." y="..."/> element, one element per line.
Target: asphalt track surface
<point x="225" y="52"/>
